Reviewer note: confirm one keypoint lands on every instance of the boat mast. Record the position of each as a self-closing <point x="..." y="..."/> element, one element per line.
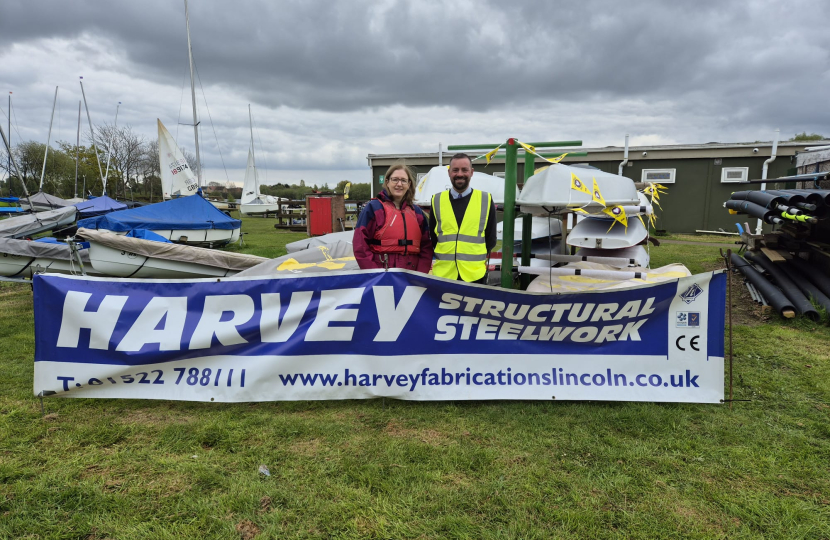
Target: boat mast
<point x="13" y="162"/>
<point x="48" y="138"/>
<point x="77" y="148"/>
<point x="193" y="97"/>
<point x="253" y="156"/>
<point x="9" y="159"/>
<point x="109" y="150"/>
<point x="92" y="135"/>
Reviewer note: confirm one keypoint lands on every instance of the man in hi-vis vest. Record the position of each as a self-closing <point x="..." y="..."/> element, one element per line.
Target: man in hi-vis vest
<point x="462" y="226"/>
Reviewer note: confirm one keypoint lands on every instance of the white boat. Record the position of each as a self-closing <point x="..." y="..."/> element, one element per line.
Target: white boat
<point x="221" y="205"/>
<point x="548" y="283"/>
<point x="549" y="191"/>
<point x="438" y="180"/>
<point x="119" y="256"/>
<point x="31" y="224"/>
<point x="252" y="201"/>
<point x="598" y="233"/>
<point x="324" y="240"/>
<point x="336" y="256"/>
<point x="185" y="220"/>
<point x="23" y="259"/>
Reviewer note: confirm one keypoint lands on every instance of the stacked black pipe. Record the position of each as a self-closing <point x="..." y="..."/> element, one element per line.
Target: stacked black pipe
<point x="780" y="206"/>
<point x="774" y="296"/>
<point x="793" y="284"/>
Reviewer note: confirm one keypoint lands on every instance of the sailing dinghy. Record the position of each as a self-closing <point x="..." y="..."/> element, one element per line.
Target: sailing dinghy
<point x="98" y="207"/>
<point x="24" y="258"/>
<point x="438" y="180"/>
<point x="133" y="257"/>
<point x="252" y="201"/>
<point x="31" y="224"/>
<point x="186" y="220"/>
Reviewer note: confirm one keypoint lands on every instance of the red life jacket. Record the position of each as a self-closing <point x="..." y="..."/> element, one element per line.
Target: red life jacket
<point x="400" y="232"/>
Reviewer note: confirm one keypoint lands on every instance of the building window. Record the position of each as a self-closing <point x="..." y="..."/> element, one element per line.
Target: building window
<point x="420" y="176"/>
<point x="658" y="176"/>
<point x="734" y="174"/>
<point x="498" y="174"/>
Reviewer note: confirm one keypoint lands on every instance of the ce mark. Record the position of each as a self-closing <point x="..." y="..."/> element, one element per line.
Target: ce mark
<point x="692" y="343"/>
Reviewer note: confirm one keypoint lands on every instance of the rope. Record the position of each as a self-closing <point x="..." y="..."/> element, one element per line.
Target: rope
<point x="204" y="98"/>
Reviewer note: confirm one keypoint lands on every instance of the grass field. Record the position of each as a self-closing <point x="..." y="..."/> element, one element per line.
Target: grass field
<point x="129" y="469"/>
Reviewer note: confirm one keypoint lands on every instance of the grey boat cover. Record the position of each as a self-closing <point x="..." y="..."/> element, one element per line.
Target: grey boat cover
<point x="44" y="200"/>
<point x="551" y="188"/>
<point x="325" y="240"/>
<point x="39" y="250"/>
<point x="172" y="252"/>
<point x="322" y="258"/>
<point x="438" y="180"/>
<point x="38" y="222"/>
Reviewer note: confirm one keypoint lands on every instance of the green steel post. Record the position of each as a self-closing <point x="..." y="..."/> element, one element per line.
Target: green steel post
<point x="476" y="155"/>
<point x="509" y="214"/>
<point x="472" y="146"/>
<point x="552" y="144"/>
<point x="527" y="222"/>
<point x="557" y="154"/>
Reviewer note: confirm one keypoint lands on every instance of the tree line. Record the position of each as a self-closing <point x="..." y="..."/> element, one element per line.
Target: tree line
<point x="294" y="192"/>
<point x="133" y="171"/>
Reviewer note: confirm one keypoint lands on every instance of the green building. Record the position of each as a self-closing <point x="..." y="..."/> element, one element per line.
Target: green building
<point x="699" y="177"/>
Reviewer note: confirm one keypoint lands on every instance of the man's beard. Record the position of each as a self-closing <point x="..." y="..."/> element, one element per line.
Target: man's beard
<point x="460" y="188"/>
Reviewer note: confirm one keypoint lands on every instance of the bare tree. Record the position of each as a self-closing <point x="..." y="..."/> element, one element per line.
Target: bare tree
<point x="124" y="150"/>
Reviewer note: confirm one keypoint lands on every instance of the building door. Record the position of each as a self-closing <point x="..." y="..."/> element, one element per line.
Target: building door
<point x="319" y="211"/>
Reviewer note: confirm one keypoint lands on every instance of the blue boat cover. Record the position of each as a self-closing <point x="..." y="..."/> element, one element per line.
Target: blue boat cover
<point x="11" y="210"/>
<point x="9" y="199"/>
<point x="98" y="207"/>
<point x="51" y="240"/>
<point x="144" y="234"/>
<point x="191" y="213"/>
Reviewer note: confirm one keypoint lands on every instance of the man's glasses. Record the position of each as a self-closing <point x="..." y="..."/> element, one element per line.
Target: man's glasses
<point x="399" y="180"/>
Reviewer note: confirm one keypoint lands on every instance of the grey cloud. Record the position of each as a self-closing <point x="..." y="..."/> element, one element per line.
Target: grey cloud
<point x="395" y="76"/>
<point x="339" y="56"/>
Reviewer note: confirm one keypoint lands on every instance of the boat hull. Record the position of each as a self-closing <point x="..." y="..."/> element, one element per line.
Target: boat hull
<point x="247" y="209"/>
<point x="598" y="233"/>
<point x="119" y="263"/>
<point x="197" y="237"/>
<point x="20" y="266"/>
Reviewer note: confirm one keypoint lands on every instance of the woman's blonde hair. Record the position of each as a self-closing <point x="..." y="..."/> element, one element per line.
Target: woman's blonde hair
<point x="401" y="166"/>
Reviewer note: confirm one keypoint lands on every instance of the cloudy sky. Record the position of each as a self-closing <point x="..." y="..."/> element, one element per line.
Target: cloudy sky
<point x="330" y="82"/>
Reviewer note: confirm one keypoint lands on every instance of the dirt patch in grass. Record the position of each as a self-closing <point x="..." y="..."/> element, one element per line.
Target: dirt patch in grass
<point x="744" y="310"/>
<point x="427" y="436"/>
<point x="152" y="417"/>
<point x="310" y="447"/>
<point x="247" y="529"/>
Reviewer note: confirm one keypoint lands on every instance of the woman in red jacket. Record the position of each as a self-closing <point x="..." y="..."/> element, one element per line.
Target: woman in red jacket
<point x="391" y="232"/>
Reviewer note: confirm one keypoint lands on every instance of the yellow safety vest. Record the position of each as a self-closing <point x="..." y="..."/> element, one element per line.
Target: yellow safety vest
<point x="461" y="250"/>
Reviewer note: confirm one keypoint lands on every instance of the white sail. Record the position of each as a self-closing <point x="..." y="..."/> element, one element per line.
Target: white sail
<point x="250" y="189"/>
<point x="177" y="177"/>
